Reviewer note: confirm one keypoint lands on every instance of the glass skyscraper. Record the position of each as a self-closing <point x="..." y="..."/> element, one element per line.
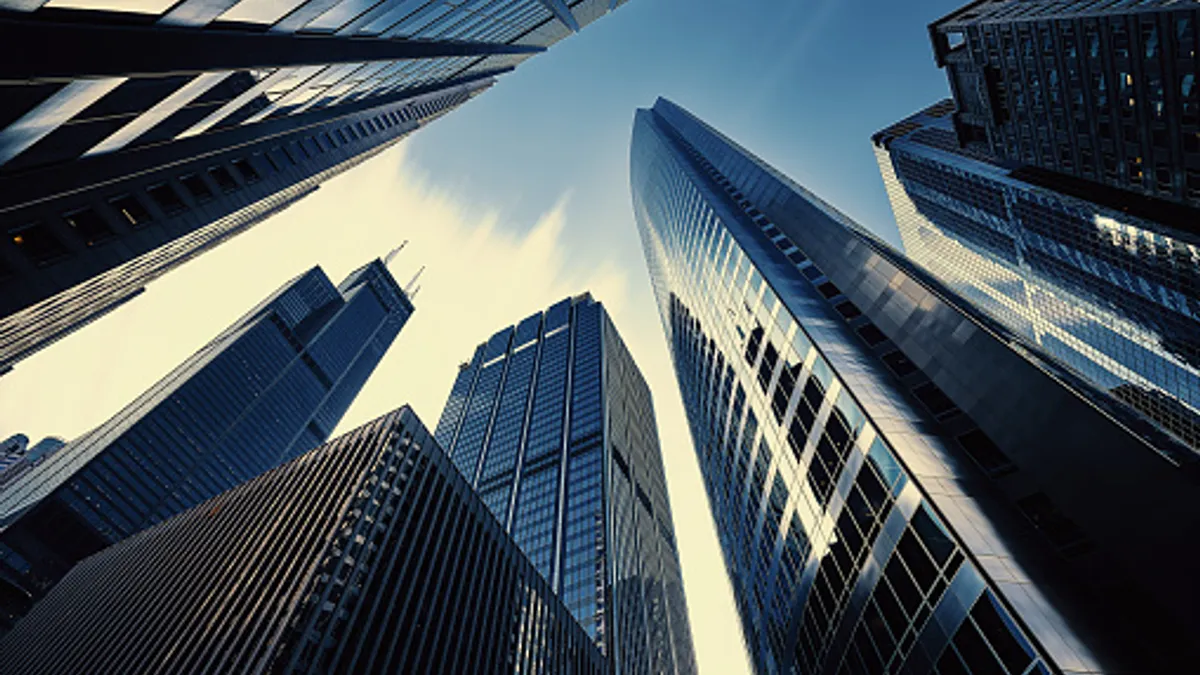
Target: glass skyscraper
<point x="897" y="485"/>
<point x="136" y="135"/>
<point x="1084" y="96"/>
<point x="369" y="554"/>
<point x="553" y="425"/>
<point x="270" y="387"/>
<point x="1111" y="296"/>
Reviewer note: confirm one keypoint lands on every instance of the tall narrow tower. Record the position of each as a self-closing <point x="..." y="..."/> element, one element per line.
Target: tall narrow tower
<point x="135" y="136"/>
<point x="553" y="425"/>
<point x="898" y="486"/>
<point x="270" y="387"/>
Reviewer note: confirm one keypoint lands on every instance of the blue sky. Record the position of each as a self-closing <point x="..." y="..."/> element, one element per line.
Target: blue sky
<point x="802" y="84"/>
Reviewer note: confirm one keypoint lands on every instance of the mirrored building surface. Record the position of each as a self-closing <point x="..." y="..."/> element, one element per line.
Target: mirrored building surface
<point x="1083" y="96"/>
<point x="270" y="387"/>
<point x="898" y="485"/>
<point x="153" y="131"/>
<point x="553" y="425"/>
<point x="1112" y="297"/>
<point x="369" y="554"/>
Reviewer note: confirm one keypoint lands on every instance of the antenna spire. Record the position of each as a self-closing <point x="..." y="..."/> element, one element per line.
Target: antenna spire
<point x="409" y="288"/>
<point x="387" y="259"/>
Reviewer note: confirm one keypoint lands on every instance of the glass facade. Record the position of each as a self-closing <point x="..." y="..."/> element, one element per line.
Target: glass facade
<point x="1103" y="93"/>
<point x="889" y="492"/>
<point x="160" y="130"/>
<point x="553" y="425"/>
<point x="1108" y="295"/>
<point x="270" y="387"/>
<point x="369" y="554"/>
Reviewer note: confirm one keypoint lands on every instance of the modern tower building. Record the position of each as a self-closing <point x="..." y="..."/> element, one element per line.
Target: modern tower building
<point x="897" y="484"/>
<point x="1113" y="297"/>
<point x="553" y="425"/>
<point x="270" y="387"/>
<point x="155" y="130"/>
<point x="1083" y="97"/>
<point x="369" y="554"/>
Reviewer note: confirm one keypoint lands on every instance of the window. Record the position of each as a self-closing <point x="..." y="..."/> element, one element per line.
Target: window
<point x="197" y="187"/>
<point x="828" y="289"/>
<point x="131" y="210"/>
<point x="223" y="178"/>
<point x="247" y="170"/>
<point x="899" y="363"/>
<point x="38" y="242"/>
<point x="872" y="334"/>
<point x="796" y="257"/>
<point x="89" y="225"/>
<point x="812" y="272"/>
<point x="934" y="399"/>
<point x="341" y="136"/>
<point x="1058" y="528"/>
<point x="166" y="198"/>
<point x="985" y="453"/>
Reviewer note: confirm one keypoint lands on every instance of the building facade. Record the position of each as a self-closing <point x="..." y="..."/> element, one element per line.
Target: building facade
<point x="897" y="485"/>
<point x="553" y="425"/>
<point x="166" y="128"/>
<point x="270" y="387"/>
<point x="17" y="456"/>
<point x="1113" y="297"/>
<point x="1087" y="96"/>
<point x="369" y="554"/>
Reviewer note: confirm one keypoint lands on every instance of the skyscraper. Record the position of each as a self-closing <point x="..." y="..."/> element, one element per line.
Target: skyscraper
<point x="1113" y="297"/>
<point x="17" y="456"/>
<point x="268" y="388"/>
<point x="552" y="424"/>
<point x="897" y="485"/>
<point x="1084" y="97"/>
<point x="153" y="131"/>
<point x="369" y="554"/>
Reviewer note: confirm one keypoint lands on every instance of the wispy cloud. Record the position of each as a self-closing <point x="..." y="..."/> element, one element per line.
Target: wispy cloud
<point x="483" y="272"/>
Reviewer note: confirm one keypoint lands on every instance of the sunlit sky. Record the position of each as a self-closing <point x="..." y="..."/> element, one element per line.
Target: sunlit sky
<point x="520" y="198"/>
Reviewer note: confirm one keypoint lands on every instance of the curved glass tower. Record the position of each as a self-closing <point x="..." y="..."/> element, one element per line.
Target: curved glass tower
<point x="897" y="486"/>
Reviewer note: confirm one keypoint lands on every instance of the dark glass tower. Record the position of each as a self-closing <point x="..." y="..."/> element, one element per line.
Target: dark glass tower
<point x="898" y="486"/>
<point x="268" y="388"/>
<point x="553" y="425"/>
<point x="152" y="131"/>
<point x="369" y="554"/>
<point x="1084" y="96"/>
<point x="1113" y="297"/>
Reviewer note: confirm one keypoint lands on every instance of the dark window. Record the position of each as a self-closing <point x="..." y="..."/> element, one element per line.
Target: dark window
<point x="327" y="142"/>
<point x="828" y="289"/>
<point x="934" y="398"/>
<point x="89" y="225"/>
<point x="812" y="272"/>
<point x="38" y="242"/>
<point x="131" y="210"/>
<point x="771" y="231"/>
<point x="872" y="334"/>
<point x="196" y="186"/>
<point x="223" y="178"/>
<point x="273" y="158"/>
<point x="341" y="136"/>
<point x="352" y="133"/>
<point x="1059" y="529"/>
<point x="797" y="257"/>
<point x="1001" y="635"/>
<point x="309" y="145"/>
<point x="985" y="453"/>
<point x="167" y="199"/>
<point x="783" y="244"/>
<point x="247" y="170"/>
<point x="848" y="310"/>
<point x="361" y="130"/>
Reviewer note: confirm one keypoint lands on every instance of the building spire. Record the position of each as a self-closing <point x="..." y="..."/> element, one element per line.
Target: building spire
<point x="387" y="259"/>
<point x="409" y="288"/>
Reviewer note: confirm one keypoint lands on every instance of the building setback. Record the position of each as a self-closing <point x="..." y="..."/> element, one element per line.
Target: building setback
<point x="166" y="128"/>
<point x="369" y="554"/>
<point x="1083" y="97"/>
<point x="553" y="425"/>
<point x="1112" y="297"/>
<point x="270" y="387"/>
<point x="897" y="485"/>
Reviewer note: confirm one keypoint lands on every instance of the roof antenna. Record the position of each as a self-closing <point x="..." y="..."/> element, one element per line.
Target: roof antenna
<point x="387" y="259"/>
<point x="414" y="293"/>
<point x="408" y="289"/>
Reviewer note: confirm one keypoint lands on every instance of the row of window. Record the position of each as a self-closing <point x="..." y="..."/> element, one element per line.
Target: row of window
<point x="43" y="247"/>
